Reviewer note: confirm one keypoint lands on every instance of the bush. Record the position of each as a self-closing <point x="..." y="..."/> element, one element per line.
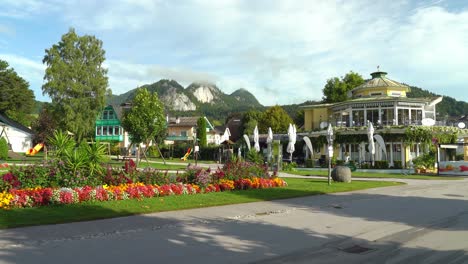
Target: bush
<point x="289" y="166"/>
<point x="115" y="149"/>
<point x="241" y="170"/>
<point x="153" y="152"/>
<point x="397" y="164"/>
<point x="381" y="164"/>
<point x="3" y="149"/>
<point x="254" y="156"/>
<point x="425" y="161"/>
<point x="309" y="163"/>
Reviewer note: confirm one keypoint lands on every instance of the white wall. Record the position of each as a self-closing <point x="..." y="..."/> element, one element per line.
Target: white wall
<point x="20" y="141"/>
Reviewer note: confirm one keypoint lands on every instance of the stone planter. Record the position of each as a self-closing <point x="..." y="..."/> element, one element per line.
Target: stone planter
<point x="341" y="174"/>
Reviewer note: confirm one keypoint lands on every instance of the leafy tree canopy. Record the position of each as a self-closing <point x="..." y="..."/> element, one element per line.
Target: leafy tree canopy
<point x="76" y="81"/>
<point x="16" y="99"/>
<point x="145" y="119"/>
<point x="336" y="89"/>
<point x="44" y="126"/>
<point x="276" y="118"/>
<point x="249" y="120"/>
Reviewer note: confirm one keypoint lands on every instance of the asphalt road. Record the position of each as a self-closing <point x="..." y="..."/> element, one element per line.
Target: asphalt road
<point x="422" y="222"/>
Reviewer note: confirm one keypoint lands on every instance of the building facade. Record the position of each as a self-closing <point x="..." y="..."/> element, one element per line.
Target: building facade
<point x="109" y="127"/>
<point x="385" y="104"/>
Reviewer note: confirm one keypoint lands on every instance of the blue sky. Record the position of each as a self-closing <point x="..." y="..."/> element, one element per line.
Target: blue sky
<point x="281" y="51"/>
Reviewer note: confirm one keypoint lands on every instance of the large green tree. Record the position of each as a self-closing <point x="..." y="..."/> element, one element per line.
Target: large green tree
<point x="76" y="81"/>
<point x="336" y="89"/>
<point x="16" y="99"/>
<point x="201" y="132"/>
<point x="276" y="118"/>
<point x="144" y="121"/>
<point x="249" y="120"/>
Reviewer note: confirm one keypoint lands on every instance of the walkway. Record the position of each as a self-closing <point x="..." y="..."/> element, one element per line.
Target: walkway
<point x="421" y="222"/>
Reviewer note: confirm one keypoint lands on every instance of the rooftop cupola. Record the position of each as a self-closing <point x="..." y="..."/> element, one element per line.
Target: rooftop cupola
<point x="379" y="86"/>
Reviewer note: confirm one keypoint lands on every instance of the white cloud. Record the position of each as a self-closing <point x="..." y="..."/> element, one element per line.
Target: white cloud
<point x="18" y="9"/>
<point x="124" y="76"/>
<point x="272" y="47"/>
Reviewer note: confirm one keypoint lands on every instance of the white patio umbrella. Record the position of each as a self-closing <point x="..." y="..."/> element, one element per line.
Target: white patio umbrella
<point x="247" y="141"/>
<point x="370" y="137"/>
<point x="309" y="145"/>
<point x="270" y="136"/>
<point x="292" y="140"/>
<point x="269" y="141"/>
<point x="255" y="135"/>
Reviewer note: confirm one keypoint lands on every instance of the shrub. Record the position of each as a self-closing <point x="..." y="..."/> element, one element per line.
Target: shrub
<point x="254" y="156"/>
<point x="3" y="149"/>
<point x="380" y="164"/>
<point x="153" y="152"/>
<point x="310" y="163"/>
<point x="425" y="161"/>
<point x="339" y="162"/>
<point x="397" y="164"/>
<point x="239" y="170"/>
<point x="289" y="166"/>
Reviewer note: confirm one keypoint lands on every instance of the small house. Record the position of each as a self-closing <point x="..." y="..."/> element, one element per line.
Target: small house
<point x="18" y="136"/>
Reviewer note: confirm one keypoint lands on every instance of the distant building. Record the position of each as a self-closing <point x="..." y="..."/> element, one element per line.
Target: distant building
<point x="109" y="127"/>
<point x="185" y="129"/>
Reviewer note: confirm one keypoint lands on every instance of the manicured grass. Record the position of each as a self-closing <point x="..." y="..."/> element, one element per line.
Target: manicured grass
<point x="99" y="210"/>
<point x="162" y="166"/>
<point x="360" y="174"/>
<point x="144" y="164"/>
<point x="192" y="161"/>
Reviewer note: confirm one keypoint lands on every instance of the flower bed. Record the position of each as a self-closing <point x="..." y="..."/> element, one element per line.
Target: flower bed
<point x="32" y="197"/>
<point x="51" y="183"/>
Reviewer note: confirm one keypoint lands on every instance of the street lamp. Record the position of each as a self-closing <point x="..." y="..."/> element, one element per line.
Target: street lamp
<point x="330" y="150"/>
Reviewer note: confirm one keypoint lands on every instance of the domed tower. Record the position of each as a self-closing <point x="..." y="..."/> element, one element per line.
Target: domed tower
<point x="379" y="86"/>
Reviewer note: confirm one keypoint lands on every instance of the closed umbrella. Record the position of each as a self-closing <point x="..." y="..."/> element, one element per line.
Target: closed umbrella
<point x="370" y="137"/>
<point x="256" y="144"/>
<point x="247" y="141"/>
<point x="292" y="140"/>
<point x="269" y="141"/>
<point x="270" y="136"/>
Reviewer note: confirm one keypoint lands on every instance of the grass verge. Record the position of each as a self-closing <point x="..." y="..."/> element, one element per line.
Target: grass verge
<point x="100" y="210"/>
<point x="360" y="174"/>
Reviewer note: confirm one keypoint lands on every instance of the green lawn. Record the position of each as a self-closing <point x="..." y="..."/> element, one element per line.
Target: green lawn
<point x="360" y="174"/>
<point x="192" y="161"/>
<point x="99" y="210"/>
<point x="162" y="166"/>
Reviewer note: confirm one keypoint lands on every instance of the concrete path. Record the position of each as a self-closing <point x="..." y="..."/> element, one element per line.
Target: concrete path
<point x="422" y="222"/>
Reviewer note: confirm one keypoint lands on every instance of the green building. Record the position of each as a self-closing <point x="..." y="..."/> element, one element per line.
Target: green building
<point x="109" y="127"/>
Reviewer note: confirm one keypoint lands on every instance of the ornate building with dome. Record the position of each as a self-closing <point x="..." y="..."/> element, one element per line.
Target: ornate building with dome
<point x="396" y="118"/>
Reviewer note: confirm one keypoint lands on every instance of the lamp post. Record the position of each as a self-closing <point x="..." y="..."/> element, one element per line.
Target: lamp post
<point x="330" y="150"/>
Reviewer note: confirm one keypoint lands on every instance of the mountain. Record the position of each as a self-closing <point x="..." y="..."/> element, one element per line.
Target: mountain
<point x="171" y="93"/>
<point x="245" y="97"/>
<point x="448" y="109"/>
<point x="198" y="98"/>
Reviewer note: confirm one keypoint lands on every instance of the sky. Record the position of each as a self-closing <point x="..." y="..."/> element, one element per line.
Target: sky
<point x="282" y="51"/>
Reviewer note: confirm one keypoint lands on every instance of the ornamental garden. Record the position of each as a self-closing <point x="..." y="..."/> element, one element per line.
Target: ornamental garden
<point x="77" y="174"/>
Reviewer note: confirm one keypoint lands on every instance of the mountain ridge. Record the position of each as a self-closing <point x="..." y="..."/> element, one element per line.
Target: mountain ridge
<point x="205" y="98"/>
